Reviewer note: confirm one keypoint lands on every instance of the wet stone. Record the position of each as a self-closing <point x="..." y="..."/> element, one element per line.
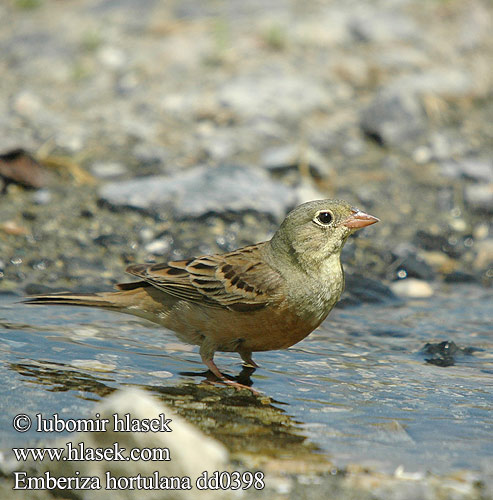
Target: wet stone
<point x="461" y="277"/>
<point x="413" y="266"/>
<point x="412" y="288"/>
<point x="430" y="241"/>
<point x="445" y="353"/>
<point x="360" y="289"/>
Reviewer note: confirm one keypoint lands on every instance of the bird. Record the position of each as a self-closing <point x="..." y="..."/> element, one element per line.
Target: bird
<point x="261" y="297"/>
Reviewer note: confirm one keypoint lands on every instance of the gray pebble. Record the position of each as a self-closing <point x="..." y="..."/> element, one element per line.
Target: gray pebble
<point x="393" y="119"/>
<point x="106" y="170"/>
<point x="203" y="190"/>
<point x="476" y="169"/>
<point x="293" y="157"/>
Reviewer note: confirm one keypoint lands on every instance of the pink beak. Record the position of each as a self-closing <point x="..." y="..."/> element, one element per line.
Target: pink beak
<point x="359" y="219"/>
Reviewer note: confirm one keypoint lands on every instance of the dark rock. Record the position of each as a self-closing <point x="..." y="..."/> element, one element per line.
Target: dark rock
<point x="151" y="155"/>
<point x="360" y="289"/>
<point x="108" y="240"/>
<point x="86" y="213"/>
<point x="414" y="267"/>
<point x="445" y="353"/>
<point x="393" y="119"/>
<point x="461" y="277"/>
<point x="204" y="190"/>
<point x="27" y="215"/>
<point x="428" y="241"/>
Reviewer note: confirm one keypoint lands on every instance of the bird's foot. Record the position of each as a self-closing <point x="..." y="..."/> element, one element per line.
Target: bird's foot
<point x="235" y="385"/>
<point x="213" y="368"/>
<point x="223" y="379"/>
<point x="247" y="359"/>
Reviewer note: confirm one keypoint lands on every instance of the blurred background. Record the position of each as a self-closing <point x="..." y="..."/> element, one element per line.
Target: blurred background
<point x="222" y="116"/>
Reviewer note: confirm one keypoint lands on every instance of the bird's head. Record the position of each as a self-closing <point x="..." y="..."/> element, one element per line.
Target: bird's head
<point x="316" y="230"/>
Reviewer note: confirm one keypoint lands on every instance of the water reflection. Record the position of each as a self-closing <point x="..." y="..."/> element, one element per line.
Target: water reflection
<point x="359" y="387"/>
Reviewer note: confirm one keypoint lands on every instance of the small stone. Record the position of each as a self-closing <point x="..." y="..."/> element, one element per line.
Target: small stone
<point x="412" y="288"/>
<point x="439" y="261"/>
<point x="279" y="96"/>
<point x="479" y="197"/>
<point x="393" y="119"/>
<point x="476" y="169"/>
<point x="160" y="246"/>
<point x="413" y="266"/>
<point x="360" y="289"/>
<point x="460" y="277"/>
<point x="431" y="242"/>
<point x="204" y="190"/>
<point x="422" y="155"/>
<point x="42" y="196"/>
<point x="368" y="25"/>
<point x="445" y="353"/>
<point x="112" y="57"/>
<point x="109" y="240"/>
<point x="19" y="167"/>
<point x="151" y="154"/>
<point x="296" y="157"/>
<point x="161" y="374"/>
<point x="484" y="254"/>
<point x="107" y="170"/>
<point x="92" y="365"/>
<point x="11" y="227"/>
<point x="27" y="104"/>
<point x="439" y="82"/>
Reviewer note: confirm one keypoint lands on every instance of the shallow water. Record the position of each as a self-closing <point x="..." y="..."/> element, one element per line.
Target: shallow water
<point x="359" y="387"/>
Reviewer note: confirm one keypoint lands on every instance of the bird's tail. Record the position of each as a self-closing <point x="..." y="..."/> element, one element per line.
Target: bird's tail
<point x="103" y="299"/>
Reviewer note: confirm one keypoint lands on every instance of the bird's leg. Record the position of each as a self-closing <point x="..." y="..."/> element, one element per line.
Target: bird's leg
<point x="246" y="356"/>
<point x="207" y="351"/>
<point x="207" y="355"/>
<point x="213" y="368"/>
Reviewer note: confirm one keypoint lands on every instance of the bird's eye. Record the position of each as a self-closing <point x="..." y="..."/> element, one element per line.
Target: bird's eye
<point x="325" y="218"/>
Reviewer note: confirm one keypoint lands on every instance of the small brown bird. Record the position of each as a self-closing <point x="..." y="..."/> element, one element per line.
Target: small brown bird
<point x="257" y="298"/>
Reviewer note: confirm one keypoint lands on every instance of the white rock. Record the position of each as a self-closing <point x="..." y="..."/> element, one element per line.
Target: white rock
<point x="190" y="451"/>
<point x="412" y="288"/>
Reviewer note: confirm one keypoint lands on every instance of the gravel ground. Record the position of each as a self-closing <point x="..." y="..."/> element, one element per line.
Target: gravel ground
<point x="159" y="130"/>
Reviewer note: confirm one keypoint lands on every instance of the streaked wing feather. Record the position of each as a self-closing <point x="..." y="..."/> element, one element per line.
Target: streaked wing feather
<point x="240" y="280"/>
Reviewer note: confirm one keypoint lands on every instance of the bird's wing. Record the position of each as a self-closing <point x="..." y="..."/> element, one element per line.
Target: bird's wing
<point x="239" y="280"/>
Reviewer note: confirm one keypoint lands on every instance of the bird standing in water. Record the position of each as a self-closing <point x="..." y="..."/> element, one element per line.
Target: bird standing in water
<point x="258" y="298"/>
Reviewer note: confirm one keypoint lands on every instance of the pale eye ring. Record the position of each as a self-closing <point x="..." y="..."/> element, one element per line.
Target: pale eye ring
<point x="324" y="218"/>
